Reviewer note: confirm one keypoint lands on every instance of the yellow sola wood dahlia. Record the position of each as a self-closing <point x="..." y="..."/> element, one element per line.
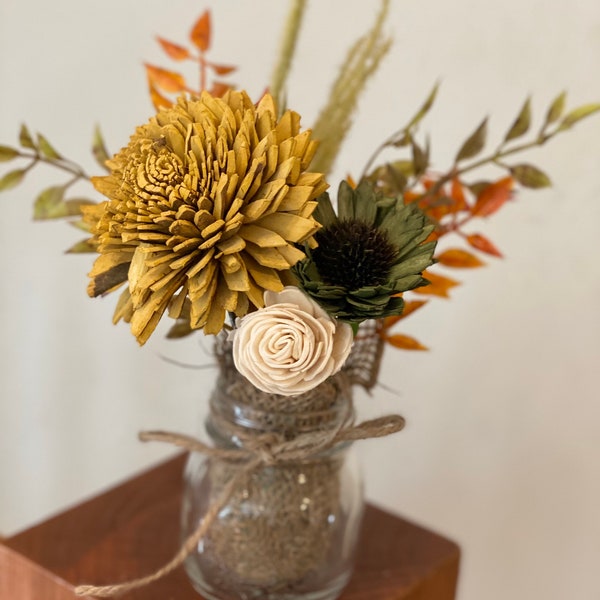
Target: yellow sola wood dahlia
<point x="205" y="207"/>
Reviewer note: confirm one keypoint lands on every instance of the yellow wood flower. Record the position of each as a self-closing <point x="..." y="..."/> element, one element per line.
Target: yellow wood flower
<point x="205" y="207"/>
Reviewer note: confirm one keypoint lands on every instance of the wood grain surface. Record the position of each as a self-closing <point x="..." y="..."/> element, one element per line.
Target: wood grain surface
<point x="134" y="528"/>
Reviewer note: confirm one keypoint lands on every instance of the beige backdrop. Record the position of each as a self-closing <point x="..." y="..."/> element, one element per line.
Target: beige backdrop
<point x="502" y="448"/>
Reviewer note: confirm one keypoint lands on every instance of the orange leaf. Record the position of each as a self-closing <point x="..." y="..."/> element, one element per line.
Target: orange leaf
<point x="438" y="286"/>
<point x="174" y="51"/>
<point x="434" y="235"/>
<point x="158" y="100"/>
<point x="492" y="197"/>
<point x="404" y="342"/>
<point x="455" y="257"/>
<point x="167" y="80"/>
<point x="457" y="193"/>
<point x="200" y="34"/>
<point x="411" y="306"/>
<point x="482" y="243"/>
<point x="219" y="88"/>
<point x="389" y="322"/>
<point x="351" y="182"/>
<point x="438" y="206"/>
<point x="222" y="69"/>
<point x="410" y="196"/>
<point x="428" y="183"/>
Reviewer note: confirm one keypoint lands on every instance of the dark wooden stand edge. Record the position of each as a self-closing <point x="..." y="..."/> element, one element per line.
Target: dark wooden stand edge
<point x="133" y="529"/>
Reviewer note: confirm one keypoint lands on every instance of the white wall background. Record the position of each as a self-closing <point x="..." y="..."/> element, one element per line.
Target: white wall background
<point x="502" y="449"/>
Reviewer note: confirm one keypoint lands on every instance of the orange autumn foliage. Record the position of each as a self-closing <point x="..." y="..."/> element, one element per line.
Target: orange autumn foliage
<point x="201" y="32"/>
<point x="458" y="258"/>
<point x="493" y="197"/>
<point x="404" y="342"/>
<point x="444" y="198"/>
<point x="397" y="340"/>
<point x="439" y="285"/>
<point x="163" y="81"/>
<point x="168" y="81"/>
<point x="174" y="51"/>
<point x="451" y="205"/>
<point x="481" y="243"/>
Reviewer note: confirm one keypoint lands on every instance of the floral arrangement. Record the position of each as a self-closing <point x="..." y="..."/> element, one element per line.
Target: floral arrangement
<point x="212" y="203"/>
<point x="216" y="213"/>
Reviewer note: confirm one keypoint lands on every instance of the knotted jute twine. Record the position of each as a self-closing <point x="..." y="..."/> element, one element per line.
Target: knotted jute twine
<point x="275" y="445"/>
<point x="303" y="447"/>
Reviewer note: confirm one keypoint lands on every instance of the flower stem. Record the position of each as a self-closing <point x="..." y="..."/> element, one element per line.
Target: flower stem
<point x="62" y="164"/>
<point x="492" y="158"/>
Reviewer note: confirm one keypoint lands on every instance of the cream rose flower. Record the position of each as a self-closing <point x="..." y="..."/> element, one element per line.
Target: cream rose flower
<point x="291" y="345"/>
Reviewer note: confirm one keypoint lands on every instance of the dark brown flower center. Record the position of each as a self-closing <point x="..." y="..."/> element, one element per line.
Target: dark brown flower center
<point x="353" y="254"/>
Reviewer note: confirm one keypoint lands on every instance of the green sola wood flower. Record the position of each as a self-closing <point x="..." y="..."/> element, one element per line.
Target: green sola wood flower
<point x="372" y="251"/>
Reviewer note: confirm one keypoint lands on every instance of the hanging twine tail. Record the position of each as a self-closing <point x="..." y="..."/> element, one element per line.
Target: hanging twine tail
<point x="186" y="549"/>
<point x="302" y="447"/>
<point x="374" y="428"/>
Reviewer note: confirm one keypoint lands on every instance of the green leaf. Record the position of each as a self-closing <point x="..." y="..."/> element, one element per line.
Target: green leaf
<point x="7" y="153"/>
<point x="345" y="201"/>
<point x="530" y="176"/>
<point x="556" y="109"/>
<point x="579" y="113"/>
<point x="478" y="186"/>
<point x="521" y="124"/>
<point x="420" y="158"/>
<point x="12" y="179"/>
<point x="50" y="204"/>
<point x="179" y="330"/>
<point x="425" y="108"/>
<point x="405" y="167"/>
<point x="404" y="139"/>
<point x="81" y="247"/>
<point x="99" y="149"/>
<point x="47" y="149"/>
<point x="391" y="178"/>
<point x="474" y="143"/>
<point x="80" y="224"/>
<point x="25" y="138"/>
<point x="73" y="205"/>
<point x="395" y="179"/>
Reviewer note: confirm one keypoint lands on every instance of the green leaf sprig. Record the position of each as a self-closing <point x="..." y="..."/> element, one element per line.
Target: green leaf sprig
<point x="402" y="175"/>
<point x="51" y="203"/>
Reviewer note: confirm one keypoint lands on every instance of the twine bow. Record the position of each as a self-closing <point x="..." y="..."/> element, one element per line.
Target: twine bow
<point x="263" y="450"/>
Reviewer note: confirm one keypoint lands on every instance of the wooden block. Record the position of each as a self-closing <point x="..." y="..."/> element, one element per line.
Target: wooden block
<point x="133" y="529"/>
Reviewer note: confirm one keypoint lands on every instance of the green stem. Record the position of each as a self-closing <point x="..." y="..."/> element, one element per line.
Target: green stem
<point x="500" y="154"/>
<point x="497" y="156"/>
<point x="63" y="164"/>
<point x="387" y="143"/>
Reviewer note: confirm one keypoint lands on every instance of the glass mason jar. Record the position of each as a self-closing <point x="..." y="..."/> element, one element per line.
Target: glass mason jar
<point x="289" y="530"/>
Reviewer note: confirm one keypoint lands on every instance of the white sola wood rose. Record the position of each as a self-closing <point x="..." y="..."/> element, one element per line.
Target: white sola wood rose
<point x="291" y="345"/>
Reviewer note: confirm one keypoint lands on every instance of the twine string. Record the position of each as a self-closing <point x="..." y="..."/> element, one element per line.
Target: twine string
<point x="265" y="450"/>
